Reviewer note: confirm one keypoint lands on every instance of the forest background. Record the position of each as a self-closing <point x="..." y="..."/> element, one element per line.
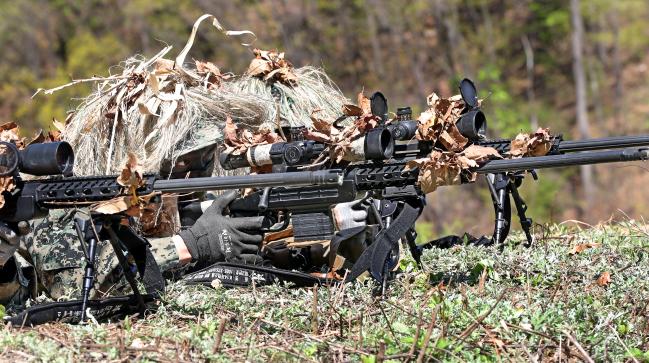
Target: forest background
<point x="578" y="67"/>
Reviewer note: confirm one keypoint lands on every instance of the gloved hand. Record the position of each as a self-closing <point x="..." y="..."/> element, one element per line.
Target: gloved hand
<point x="215" y="237"/>
<point x="9" y="243"/>
<point x="349" y="215"/>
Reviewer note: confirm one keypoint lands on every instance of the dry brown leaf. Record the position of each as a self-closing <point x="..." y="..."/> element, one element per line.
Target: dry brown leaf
<point x="352" y="110"/>
<point x="161" y="219"/>
<point x="131" y="175"/>
<point x="7" y="184"/>
<point x="58" y="125"/>
<point x="364" y="104"/>
<point x="584" y="246"/>
<point x="447" y="168"/>
<point x="210" y="71"/>
<point x="437" y="123"/>
<point x="163" y="65"/>
<point x="604" y="279"/>
<point x="39" y="138"/>
<point x="271" y="66"/>
<point x="112" y="206"/>
<point x="537" y="143"/>
<point x="481" y="153"/>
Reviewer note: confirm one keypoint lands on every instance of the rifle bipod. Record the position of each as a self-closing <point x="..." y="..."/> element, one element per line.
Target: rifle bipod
<point x="501" y="187"/>
<point x="106" y="227"/>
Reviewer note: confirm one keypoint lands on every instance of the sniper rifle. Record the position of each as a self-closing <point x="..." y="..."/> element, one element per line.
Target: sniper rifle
<point x="389" y="189"/>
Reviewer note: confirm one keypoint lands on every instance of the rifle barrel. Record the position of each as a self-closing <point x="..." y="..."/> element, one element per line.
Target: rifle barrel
<point x="555" y="161"/>
<point x="615" y="142"/>
<point x="319" y="177"/>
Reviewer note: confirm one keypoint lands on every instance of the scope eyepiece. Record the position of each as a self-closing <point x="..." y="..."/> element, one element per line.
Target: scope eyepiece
<point x="472" y="125"/>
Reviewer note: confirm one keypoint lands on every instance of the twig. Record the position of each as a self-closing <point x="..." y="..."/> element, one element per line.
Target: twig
<point x="380" y="356"/>
<point x="314" y="311"/>
<point x="77" y="81"/>
<point x="413" y="347"/>
<point x="219" y="335"/>
<point x="581" y="350"/>
<point x="482" y="317"/>
<point x="387" y="321"/>
<point x="429" y="331"/>
<point x="624" y="345"/>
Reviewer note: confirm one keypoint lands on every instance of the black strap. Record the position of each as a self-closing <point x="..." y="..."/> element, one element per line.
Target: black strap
<point x="147" y="266"/>
<point x="453" y="240"/>
<point x="70" y="311"/>
<point x="238" y="275"/>
<point x="337" y="246"/>
<point x="375" y="256"/>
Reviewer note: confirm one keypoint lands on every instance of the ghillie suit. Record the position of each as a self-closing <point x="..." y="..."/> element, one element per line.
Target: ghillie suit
<point x="159" y="109"/>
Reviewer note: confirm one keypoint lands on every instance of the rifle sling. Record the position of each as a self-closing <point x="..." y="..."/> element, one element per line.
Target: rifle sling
<point x="375" y="256"/>
<point x="240" y="275"/>
<point x="70" y="311"/>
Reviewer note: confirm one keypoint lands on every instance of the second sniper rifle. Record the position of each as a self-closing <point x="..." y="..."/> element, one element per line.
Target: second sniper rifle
<point x="389" y="188"/>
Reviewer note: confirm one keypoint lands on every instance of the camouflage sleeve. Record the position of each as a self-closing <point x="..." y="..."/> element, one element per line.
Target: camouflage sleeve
<point x="13" y="286"/>
<point x="165" y="254"/>
<point x="59" y="260"/>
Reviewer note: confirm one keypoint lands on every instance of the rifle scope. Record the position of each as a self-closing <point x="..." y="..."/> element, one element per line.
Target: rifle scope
<point x="377" y="144"/>
<point x="472" y="125"/>
<point x="50" y="158"/>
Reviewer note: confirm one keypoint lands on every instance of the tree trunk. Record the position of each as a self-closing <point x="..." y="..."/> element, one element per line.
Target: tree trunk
<point x="580" y="90"/>
<point x="617" y="69"/>
<point x="529" y="66"/>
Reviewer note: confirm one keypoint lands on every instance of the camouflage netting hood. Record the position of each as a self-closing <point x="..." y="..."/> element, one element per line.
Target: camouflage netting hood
<point x="160" y="109"/>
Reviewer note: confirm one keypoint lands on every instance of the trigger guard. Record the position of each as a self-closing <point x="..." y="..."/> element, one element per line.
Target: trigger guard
<point x="273" y="229"/>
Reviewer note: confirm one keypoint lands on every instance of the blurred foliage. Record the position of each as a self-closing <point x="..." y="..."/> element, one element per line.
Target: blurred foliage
<point x="407" y="49"/>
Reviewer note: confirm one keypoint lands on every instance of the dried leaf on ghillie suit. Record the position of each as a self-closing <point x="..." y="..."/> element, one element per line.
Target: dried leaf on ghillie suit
<point x="437" y="123"/>
<point x="238" y="140"/>
<point x="131" y="178"/>
<point x="270" y="66"/>
<point x="158" y="109"/>
<point x="161" y="219"/>
<point x="448" y="168"/>
<point x="211" y="74"/>
<point x="51" y="136"/>
<point x="344" y="143"/>
<point x="533" y="144"/>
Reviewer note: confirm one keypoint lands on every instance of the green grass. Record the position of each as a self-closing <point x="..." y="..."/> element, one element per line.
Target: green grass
<point x="468" y="304"/>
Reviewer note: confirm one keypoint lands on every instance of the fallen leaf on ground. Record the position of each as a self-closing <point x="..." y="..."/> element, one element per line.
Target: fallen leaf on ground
<point x="604" y="279"/>
<point x="584" y="246"/>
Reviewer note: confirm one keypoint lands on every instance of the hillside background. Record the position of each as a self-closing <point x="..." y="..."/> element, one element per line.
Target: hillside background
<point x="526" y="58"/>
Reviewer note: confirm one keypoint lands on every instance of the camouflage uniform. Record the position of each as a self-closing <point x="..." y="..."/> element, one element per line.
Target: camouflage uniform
<point x="51" y="260"/>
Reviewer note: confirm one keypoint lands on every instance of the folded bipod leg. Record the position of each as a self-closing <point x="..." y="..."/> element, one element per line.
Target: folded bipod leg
<point x="499" y="189"/>
<point x="521" y="208"/>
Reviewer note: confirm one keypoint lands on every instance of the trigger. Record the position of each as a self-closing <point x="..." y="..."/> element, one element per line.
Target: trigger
<point x="263" y="200"/>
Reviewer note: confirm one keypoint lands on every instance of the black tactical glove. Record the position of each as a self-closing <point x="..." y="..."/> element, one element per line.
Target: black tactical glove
<point x="215" y="237"/>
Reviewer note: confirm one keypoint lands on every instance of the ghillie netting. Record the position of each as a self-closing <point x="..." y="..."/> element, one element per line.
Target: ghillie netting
<point x="158" y="109"/>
